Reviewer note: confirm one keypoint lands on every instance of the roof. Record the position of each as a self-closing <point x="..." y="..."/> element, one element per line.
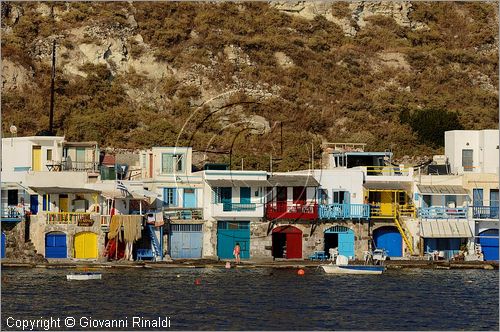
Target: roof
<point x="62" y="190"/>
<point x="441" y="190"/>
<point x="445" y="229"/>
<point x="387" y="185"/>
<point x="238" y="183"/>
<point x="293" y="181"/>
<point x="108" y="160"/>
<point x="90" y="144"/>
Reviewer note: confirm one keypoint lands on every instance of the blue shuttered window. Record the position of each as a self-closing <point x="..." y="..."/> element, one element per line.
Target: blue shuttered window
<point x="170" y="196"/>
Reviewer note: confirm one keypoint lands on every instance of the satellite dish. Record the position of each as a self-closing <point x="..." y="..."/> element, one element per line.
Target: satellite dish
<point x="13" y="129"/>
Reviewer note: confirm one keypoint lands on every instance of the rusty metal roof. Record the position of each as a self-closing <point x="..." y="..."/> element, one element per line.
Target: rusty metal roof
<point x="441" y="190"/>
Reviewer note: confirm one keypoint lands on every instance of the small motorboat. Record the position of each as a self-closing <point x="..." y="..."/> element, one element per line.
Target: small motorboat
<point x="84" y="276"/>
<point x="341" y="266"/>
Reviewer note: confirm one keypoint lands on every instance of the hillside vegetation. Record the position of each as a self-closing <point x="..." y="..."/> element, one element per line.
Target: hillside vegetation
<point x="222" y="77"/>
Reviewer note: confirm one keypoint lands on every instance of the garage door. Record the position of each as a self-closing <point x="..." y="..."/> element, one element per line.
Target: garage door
<point x="343" y="238"/>
<point x="186" y="241"/>
<point x="489" y="244"/>
<point x="55" y="245"/>
<point x="292" y="244"/>
<point x="388" y="238"/>
<point x="86" y="245"/>
<point x="228" y="234"/>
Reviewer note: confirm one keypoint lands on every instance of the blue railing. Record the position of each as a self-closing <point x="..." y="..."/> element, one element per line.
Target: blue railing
<point x="344" y="211"/>
<point x="12" y="212"/>
<point x="442" y="212"/>
<point x="485" y="212"/>
<point x="239" y="206"/>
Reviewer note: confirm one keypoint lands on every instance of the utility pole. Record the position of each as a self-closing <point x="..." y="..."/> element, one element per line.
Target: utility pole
<point x="52" y="80"/>
<point x="281" y="135"/>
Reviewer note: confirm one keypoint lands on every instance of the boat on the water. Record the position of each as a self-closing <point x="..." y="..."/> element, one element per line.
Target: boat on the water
<point x="84" y="276"/>
<point x="341" y="266"/>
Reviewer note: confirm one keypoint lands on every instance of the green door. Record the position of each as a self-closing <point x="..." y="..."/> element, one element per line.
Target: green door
<point x="228" y="234"/>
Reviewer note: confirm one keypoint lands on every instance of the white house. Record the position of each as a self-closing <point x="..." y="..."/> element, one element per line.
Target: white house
<point x="473" y="151"/>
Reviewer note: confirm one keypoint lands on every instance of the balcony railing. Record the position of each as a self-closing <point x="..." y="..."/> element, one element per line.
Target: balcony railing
<point x="387" y="210"/>
<point x="276" y="210"/>
<point x="485" y="212"/>
<point x="74" y="166"/>
<point x="442" y="212"/>
<point x="184" y="214"/>
<point x="12" y="212"/>
<point x="238" y="207"/>
<point x="69" y="218"/>
<point x="387" y="170"/>
<point x="344" y="211"/>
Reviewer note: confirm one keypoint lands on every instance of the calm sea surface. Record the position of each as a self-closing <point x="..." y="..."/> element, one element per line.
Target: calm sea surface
<point x="256" y="299"/>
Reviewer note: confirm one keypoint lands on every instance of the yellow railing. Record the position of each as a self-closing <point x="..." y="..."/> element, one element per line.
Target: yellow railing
<point x="407" y="210"/>
<point x="407" y="237"/>
<point x="377" y="211"/>
<point x="387" y="170"/>
<point x="66" y="217"/>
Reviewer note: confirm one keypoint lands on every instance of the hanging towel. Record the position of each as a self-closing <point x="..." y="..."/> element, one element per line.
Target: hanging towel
<point x="131" y="228"/>
<point x="115" y="227"/>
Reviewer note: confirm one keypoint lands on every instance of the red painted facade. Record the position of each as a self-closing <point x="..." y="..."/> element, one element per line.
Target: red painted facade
<point x="284" y="210"/>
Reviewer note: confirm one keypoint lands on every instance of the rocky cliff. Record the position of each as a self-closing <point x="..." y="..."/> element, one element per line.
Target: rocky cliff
<point x="223" y="77"/>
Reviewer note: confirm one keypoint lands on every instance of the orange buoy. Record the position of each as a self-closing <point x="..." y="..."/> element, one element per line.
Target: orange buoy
<point x="301" y="272"/>
<point x="197" y="281"/>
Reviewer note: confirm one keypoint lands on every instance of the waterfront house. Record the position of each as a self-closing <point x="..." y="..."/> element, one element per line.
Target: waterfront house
<point x="388" y="191"/>
<point x="168" y="172"/>
<point x="474" y="154"/>
<point x="233" y="201"/>
<point x="442" y="208"/>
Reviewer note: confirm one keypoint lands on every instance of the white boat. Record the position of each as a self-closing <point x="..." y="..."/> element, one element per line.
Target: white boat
<point x="341" y="266"/>
<point x="84" y="276"/>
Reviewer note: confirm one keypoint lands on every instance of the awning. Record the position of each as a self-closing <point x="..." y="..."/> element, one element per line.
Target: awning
<point x="238" y="183"/>
<point x="63" y="190"/>
<point x="441" y="190"/>
<point x="143" y="193"/>
<point x="114" y="193"/>
<point x="445" y="229"/>
<point x="387" y="185"/>
<point x="293" y="181"/>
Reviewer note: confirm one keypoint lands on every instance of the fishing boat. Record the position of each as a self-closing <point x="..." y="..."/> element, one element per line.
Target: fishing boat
<point x="341" y="266"/>
<point x="84" y="276"/>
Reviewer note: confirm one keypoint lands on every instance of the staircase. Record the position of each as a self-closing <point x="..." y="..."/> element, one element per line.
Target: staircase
<point x="154" y="242"/>
<point x="403" y="231"/>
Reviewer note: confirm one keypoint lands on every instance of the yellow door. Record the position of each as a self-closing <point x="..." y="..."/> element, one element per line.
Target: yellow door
<point x="386" y="200"/>
<point x="36" y="158"/>
<point x="86" y="245"/>
<point x="63" y="203"/>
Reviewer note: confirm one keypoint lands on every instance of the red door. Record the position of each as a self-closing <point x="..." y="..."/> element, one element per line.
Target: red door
<point x="294" y="245"/>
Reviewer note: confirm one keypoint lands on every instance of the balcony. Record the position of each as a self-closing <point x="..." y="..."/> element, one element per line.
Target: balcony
<point x="183" y="214"/>
<point x="12" y="213"/>
<point x="485" y="212"/>
<point x="68" y="218"/>
<point x="442" y="212"/>
<point x="72" y="166"/>
<point x="291" y="211"/>
<point x="338" y="211"/>
<point x="239" y="206"/>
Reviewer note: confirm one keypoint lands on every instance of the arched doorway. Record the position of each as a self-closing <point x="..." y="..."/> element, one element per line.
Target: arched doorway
<point x="488" y="240"/>
<point x="340" y="237"/>
<point x="287" y="242"/>
<point x="389" y="238"/>
<point x="55" y="245"/>
<point x="85" y="245"/>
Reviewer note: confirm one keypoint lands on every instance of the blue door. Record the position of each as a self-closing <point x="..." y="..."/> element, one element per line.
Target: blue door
<point x="345" y="240"/>
<point x="226" y="196"/>
<point x="3" y="244"/>
<point x="388" y="238"/>
<point x="494" y="203"/>
<point x="245" y="195"/>
<point x="34" y="204"/>
<point x="228" y="234"/>
<point x="55" y="245"/>
<point x="189" y="200"/>
<point x="186" y="241"/>
<point x="489" y="244"/>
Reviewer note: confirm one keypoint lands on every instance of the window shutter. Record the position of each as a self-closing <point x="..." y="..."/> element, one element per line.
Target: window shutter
<point x="174" y="196"/>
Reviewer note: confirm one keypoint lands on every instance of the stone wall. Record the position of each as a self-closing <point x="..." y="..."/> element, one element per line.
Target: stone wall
<point x="16" y="247"/>
<point x="39" y="228"/>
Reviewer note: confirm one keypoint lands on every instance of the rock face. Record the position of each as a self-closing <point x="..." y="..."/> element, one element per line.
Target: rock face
<point x="17" y="249"/>
<point x="358" y="12"/>
<point x="14" y="76"/>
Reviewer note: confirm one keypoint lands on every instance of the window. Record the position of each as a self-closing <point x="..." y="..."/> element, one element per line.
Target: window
<point x="323" y="196"/>
<point x="12" y="198"/>
<point x="49" y="154"/>
<point x="467" y="160"/>
<point x="477" y="196"/>
<point x="171" y="163"/>
<point x="340" y="197"/>
<point x="222" y="194"/>
<point x="170" y="196"/>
